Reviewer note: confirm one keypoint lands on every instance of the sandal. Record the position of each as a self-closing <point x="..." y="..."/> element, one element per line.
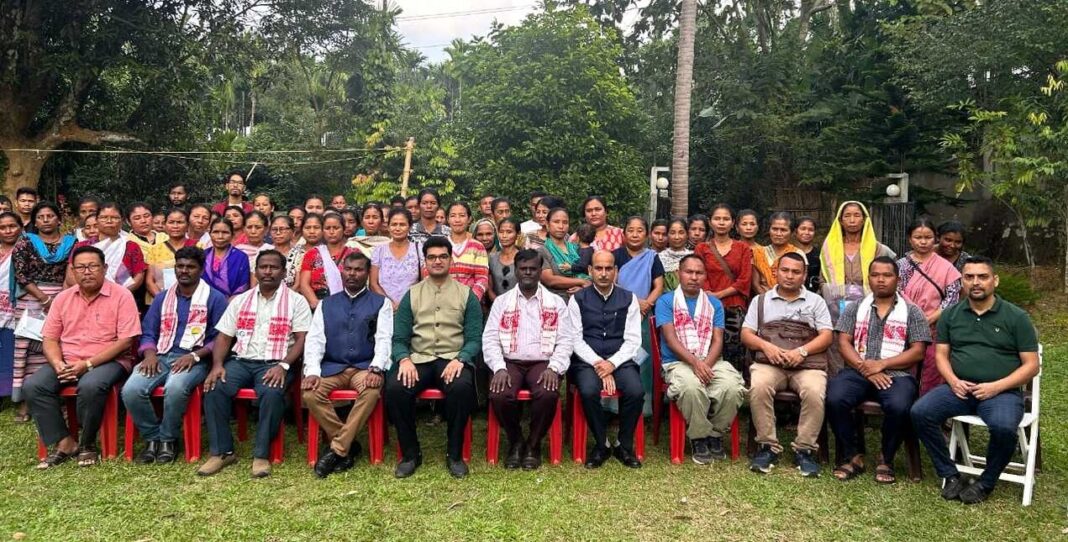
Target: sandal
<point x="56" y="458"/>
<point x="88" y="458"/>
<point x="848" y="471"/>
<point x="884" y="474"/>
<point x="22" y="417"/>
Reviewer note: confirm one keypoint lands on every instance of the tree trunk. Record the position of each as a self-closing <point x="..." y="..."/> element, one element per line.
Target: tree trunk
<point x="680" y="154"/>
<point x="23" y="168"/>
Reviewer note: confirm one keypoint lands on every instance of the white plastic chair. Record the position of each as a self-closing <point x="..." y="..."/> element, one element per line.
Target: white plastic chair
<point x="1020" y="473"/>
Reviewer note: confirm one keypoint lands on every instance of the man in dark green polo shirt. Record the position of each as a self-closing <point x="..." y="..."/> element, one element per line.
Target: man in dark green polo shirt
<point x="986" y="351"/>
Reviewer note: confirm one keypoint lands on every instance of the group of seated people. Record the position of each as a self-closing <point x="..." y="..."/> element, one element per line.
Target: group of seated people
<point x="529" y="305"/>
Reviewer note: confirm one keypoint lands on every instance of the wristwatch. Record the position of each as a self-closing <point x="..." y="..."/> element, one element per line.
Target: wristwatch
<point x="284" y="366"/>
<point x="801" y="350"/>
<point x="376" y="370"/>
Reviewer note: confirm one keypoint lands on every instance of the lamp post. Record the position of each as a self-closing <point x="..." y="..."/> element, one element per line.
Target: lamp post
<point x="655" y="185"/>
<point x="898" y="192"/>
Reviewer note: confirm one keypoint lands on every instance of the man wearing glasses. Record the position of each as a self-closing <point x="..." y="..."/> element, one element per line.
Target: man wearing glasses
<point x="87" y="337"/>
<point x="266" y="327"/>
<point x="235" y="194"/>
<point x="437" y="332"/>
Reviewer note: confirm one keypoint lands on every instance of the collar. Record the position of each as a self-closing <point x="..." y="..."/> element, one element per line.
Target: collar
<point x="357" y="294"/>
<point x="800" y="297"/>
<point x="993" y="308"/>
<point x="611" y="290"/>
<point x="259" y="293"/>
<point x="536" y="297"/>
<point x="105" y="290"/>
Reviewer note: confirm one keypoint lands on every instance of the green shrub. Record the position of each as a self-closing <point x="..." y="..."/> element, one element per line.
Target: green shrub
<point x="1016" y="289"/>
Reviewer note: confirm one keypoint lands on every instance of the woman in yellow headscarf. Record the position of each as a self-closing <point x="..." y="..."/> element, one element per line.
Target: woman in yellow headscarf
<point x="847" y="252"/>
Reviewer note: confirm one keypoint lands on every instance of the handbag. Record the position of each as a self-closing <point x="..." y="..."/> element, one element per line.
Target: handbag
<point x="788" y="335"/>
<point x="30" y="325"/>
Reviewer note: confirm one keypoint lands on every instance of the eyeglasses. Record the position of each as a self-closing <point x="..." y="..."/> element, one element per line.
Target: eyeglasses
<point x="437" y="257"/>
<point x="280" y="230"/>
<point x="90" y="267"/>
<point x="100" y="218"/>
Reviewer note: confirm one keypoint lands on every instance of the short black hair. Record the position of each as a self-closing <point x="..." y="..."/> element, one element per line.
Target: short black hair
<point x="692" y="256"/>
<point x="396" y="200"/>
<point x="526" y="255"/>
<point x="190" y="253"/>
<point x="88" y="249"/>
<point x="886" y="260"/>
<point x="25" y="190"/>
<point x="233" y="172"/>
<point x="793" y="256"/>
<point x="951" y="226"/>
<point x="180" y="184"/>
<point x="437" y="242"/>
<point x="271" y="252"/>
<point x="983" y="260"/>
<point x="356" y="255"/>
<point x="429" y="192"/>
<point x="498" y="201"/>
<point x="89" y="199"/>
<point x="537" y="194"/>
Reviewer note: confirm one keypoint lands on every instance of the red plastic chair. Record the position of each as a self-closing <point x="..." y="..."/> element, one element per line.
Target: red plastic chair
<point x="241" y="408"/>
<point x="109" y="429"/>
<point x="191" y="425"/>
<point x="676" y="422"/>
<point x="376" y="429"/>
<point x="438" y="395"/>
<point x="556" y="434"/>
<point x="578" y="429"/>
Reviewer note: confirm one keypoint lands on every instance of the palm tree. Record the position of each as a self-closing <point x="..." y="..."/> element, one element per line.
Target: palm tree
<point x="680" y="154"/>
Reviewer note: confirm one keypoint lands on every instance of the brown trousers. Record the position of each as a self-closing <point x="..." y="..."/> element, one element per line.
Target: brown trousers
<point x="341" y="434"/>
<point x="809" y="384"/>
<point x="525" y="375"/>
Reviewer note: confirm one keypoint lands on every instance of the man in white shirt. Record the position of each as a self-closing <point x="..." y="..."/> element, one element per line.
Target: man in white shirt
<point x="527" y="344"/>
<point x="608" y="335"/>
<point x="266" y="326"/>
<point x="347" y="348"/>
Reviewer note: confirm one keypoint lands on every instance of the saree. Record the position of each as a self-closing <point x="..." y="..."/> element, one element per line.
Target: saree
<point x="230" y="274"/>
<point x="931" y="285"/>
<point x="566" y="258"/>
<point x="764" y="260"/>
<point x="637" y="274"/>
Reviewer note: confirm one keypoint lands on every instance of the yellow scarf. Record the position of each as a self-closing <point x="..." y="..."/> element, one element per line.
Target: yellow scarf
<point x="833" y="253"/>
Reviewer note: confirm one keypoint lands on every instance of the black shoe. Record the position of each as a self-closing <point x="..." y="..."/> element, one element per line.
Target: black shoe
<point x="715" y="447"/>
<point x="350" y="460"/>
<point x="167" y="452"/>
<point x="515" y="454"/>
<point x="974" y="494"/>
<point x="407" y="467"/>
<point x="457" y="468"/>
<point x="328" y="463"/>
<point x="701" y="453"/>
<point x="532" y="457"/>
<point x="597" y="457"/>
<point x="764" y="460"/>
<point x="148" y="455"/>
<point x="626" y="457"/>
<point x="953" y="487"/>
<point x="807" y="464"/>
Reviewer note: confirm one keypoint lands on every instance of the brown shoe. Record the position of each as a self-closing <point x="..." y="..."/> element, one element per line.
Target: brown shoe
<point x="216" y="463"/>
<point x="261" y="468"/>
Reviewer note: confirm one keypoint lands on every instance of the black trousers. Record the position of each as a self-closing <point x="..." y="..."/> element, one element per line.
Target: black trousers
<point x="631" y="401"/>
<point x="509" y="410"/>
<point x="459" y="402"/>
<point x="46" y="406"/>
<point x="848" y="389"/>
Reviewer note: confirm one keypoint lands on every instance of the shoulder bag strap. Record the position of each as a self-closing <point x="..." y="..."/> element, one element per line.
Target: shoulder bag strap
<point x="941" y="292"/>
<point x="760" y="312"/>
<point x="722" y="262"/>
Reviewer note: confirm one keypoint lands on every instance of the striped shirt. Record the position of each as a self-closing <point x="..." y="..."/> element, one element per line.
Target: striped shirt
<point x="470" y="266"/>
<point x="917" y="331"/>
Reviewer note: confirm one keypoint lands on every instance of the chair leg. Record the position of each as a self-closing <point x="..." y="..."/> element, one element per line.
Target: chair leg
<point x="376" y="432"/>
<point x="298" y="411"/>
<point x="912" y="450"/>
<point x="556" y="437"/>
<point x="129" y="437"/>
<point x="493" y="438"/>
<point x="278" y="444"/>
<point x="751" y="443"/>
<point x="578" y="429"/>
<point x="639" y="438"/>
<point x="1031" y="460"/>
<point x="735" y="440"/>
<point x="467" y="441"/>
<point x="313" y="440"/>
<point x="110" y="427"/>
<point x="676" y="434"/>
<point x="658" y="404"/>
<point x="241" y="413"/>
<point x="193" y="420"/>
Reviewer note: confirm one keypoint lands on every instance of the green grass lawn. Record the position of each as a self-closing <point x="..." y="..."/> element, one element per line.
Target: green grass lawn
<point x="724" y="501"/>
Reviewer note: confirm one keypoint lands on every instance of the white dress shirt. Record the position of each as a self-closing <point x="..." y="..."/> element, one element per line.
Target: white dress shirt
<point x="528" y="336"/>
<point x="315" y="342"/>
<point x="632" y="333"/>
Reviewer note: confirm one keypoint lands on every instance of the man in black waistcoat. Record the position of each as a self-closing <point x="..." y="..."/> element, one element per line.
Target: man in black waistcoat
<point x="609" y="335"/>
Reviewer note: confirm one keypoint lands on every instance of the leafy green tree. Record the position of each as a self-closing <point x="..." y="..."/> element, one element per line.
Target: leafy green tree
<point x="547" y="108"/>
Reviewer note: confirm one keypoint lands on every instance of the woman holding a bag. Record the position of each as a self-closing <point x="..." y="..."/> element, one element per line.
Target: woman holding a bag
<point x="931" y="283"/>
<point x="39" y="261"/>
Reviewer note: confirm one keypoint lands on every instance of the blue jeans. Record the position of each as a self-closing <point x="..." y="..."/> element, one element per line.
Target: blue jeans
<point x="1001" y="413"/>
<point x="219" y="403"/>
<point x="847" y="390"/>
<point x="137" y="396"/>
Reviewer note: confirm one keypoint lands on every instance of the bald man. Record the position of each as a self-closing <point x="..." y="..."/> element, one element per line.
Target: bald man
<point x="608" y="337"/>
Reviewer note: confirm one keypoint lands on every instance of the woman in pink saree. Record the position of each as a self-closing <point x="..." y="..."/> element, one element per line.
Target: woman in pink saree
<point x="930" y="282"/>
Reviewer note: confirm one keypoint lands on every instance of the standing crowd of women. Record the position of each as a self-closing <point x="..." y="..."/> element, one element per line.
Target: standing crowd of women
<point x="315" y="237"/>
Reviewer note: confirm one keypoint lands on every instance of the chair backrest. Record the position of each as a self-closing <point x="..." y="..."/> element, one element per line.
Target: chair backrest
<point x="654" y="343"/>
<point x="1036" y="384"/>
